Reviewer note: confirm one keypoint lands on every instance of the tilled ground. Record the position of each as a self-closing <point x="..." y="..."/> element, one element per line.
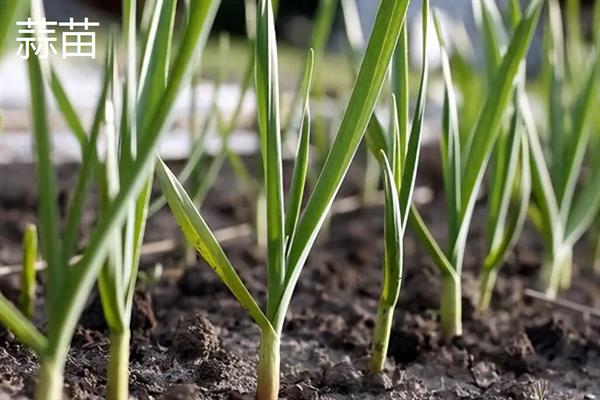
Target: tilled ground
<point x="192" y="340"/>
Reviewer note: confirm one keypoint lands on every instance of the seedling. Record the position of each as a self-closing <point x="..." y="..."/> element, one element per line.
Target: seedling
<point x="288" y="250"/>
<point x="399" y="168"/>
<point x="117" y="278"/>
<point x="68" y="287"/>
<point x="323" y="23"/>
<point x="464" y="166"/>
<point x="562" y="210"/>
<point x="510" y="177"/>
<point x="508" y="202"/>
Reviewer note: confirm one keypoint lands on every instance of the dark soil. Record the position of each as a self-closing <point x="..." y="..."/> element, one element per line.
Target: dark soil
<point x="191" y="340"/>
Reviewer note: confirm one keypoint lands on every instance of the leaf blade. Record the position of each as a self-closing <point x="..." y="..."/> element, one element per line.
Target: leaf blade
<point x="384" y="37"/>
<point x="411" y="158"/>
<point x="200" y="235"/>
<point x="393" y="233"/>
<point x="300" y="170"/>
<point x="267" y="93"/>
<point x="21" y="327"/>
<point x="49" y="215"/>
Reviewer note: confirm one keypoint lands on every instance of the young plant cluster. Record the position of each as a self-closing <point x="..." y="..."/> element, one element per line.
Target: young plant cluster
<point x="131" y="114"/>
<point x="489" y="146"/>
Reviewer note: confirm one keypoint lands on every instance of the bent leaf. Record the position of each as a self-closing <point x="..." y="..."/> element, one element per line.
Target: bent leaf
<point x="200" y="236"/>
<point x="20" y="326"/>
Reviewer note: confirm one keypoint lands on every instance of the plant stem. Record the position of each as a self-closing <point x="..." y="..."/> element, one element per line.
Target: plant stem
<point x="566" y="268"/>
<point x="451" y="308"/>
<point x="556" y="271"/>
<point x="118" y="366"/>
<point x="381" y="337"/>
<point x="486" y="288"/>
<point x="30" y="251"/>
<point x="268" y="367"/>
<point x="50" y="381"/>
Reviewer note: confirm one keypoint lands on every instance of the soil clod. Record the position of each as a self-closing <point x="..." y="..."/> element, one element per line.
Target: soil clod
<point x="195" y="337"/>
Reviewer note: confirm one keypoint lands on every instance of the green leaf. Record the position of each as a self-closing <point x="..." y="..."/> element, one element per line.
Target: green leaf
<point x="128" y="135"/>
<point x="450" y="141"/>
<point x="21" y="327"/>
<point x="300" y="171"/>
<point x="506" y="160"/>
<point x="493" y="34"/>
<point x="110" y="281"/>
<point x="48" y="210"/>
<point x="375" y="137"/>
<point x="585" y="208"/>
<point x="371" y="76"/>
<point x="155" y="64"/>
<point x="514" y="13"/>
<point x="433" y="249"/>
<point x="574" y="38"/>
<point x="267" y="94"/>
<point x="139" y="225"/>
<point x="395" y="149"/>
<point x="9" y="12"/>
<point x="68" y="111"/>
<point x="580" y="136"/>
<point x="555" y="68"/>
<point x="596" y="23"/>
<point x="513" y="218"/>
<point x="486" y="129"/>
<point x="543" y="192"/>
<point x="89" y="160"/>
<point x="392" y="233"/>
<point x="30" y="254"/>
<point x="411" y="160"/>
<point x="83" y="275"/>
<point x="200" y="235"/>
<point x="146" y="20"/>
<point x="400" y="88"/>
